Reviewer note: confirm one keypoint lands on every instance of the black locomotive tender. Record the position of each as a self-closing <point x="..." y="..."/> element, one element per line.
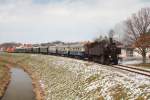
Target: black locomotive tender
<point x="104" y="52"/>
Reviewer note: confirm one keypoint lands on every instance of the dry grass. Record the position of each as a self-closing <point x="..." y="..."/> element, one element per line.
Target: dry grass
<point x="119" y="93"/>
<point x="147" y="65"/>
<point x="92" y="78"/>
<point x="4" y="77"/>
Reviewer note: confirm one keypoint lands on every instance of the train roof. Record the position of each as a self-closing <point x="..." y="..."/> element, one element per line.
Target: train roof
<point x="43" y="46"/>
<point x="77" y="45"/>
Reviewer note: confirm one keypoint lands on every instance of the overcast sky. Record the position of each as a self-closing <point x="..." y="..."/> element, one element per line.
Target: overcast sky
<point x="35" y="21"/>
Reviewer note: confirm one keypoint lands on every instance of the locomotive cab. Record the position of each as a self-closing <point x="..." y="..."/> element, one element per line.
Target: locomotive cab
<point x="115" y="51"/>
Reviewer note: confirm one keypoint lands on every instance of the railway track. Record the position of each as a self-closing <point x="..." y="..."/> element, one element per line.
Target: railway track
<point x="128" y="68"/>
<point x="133" y="69"/>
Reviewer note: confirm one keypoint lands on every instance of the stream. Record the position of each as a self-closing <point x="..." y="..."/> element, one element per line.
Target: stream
<point x="20" y="86"/>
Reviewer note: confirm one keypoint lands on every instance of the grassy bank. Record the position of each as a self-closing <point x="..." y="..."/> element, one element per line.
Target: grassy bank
<point x="4" y="77"/>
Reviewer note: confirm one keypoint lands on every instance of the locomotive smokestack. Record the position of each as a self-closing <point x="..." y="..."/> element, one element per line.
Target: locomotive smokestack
<point x="111" y="40"/>
<point x="111" y="32"/>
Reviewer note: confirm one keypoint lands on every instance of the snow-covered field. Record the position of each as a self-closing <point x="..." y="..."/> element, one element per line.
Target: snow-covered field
<point x="70" y="79"/>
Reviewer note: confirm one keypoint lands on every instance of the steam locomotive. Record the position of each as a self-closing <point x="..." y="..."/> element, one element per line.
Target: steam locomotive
<point x="104" y="52"/>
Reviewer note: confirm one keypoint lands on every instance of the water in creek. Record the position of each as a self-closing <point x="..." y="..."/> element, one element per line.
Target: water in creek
<point x="20" y="86"/>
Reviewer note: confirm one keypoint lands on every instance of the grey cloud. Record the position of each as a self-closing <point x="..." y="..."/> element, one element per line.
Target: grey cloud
<point x="64" y="19"/>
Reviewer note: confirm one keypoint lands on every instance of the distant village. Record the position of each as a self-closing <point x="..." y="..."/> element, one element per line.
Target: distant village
<point x="12" y="45"/>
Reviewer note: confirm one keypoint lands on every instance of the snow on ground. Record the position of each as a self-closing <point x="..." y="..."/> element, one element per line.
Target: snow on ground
<point x="133" y="60"/>
<point x="69" y="79"/>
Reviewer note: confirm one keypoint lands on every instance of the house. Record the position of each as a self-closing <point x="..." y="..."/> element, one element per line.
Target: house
<point x="132" y="50"/>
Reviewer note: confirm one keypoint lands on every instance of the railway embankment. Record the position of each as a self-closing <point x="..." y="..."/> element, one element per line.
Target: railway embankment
<point x="63" y="78"/>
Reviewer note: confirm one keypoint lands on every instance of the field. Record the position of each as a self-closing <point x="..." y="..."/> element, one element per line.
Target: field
<point x="69" y="79"/>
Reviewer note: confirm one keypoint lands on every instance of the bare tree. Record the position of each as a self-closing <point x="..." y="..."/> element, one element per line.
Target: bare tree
<point x="137" y="26"/>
